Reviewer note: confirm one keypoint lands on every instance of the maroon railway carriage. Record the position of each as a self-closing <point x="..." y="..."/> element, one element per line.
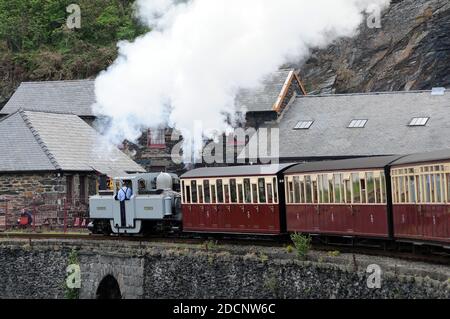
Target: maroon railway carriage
<point x="342" y="198"/>
<point x="239" y="199"/>
<point x="421" y="197"/>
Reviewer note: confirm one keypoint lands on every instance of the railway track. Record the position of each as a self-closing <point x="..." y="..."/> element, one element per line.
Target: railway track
<point x="432" y="257"/>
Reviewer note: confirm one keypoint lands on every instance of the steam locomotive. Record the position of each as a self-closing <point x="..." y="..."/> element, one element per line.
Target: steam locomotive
<point x="154" y="205"/>
<point x="393" y="198"/>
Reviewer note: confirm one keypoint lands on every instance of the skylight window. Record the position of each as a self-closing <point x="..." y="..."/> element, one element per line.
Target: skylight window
<point x="419" y="121"/>
<point x="303" y="125"/>
<point x="357" y="123"/>
<point x="438" y="91"/>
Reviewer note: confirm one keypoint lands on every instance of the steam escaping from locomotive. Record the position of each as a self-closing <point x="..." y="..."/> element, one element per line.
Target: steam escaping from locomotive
<point x="199" y="53"/>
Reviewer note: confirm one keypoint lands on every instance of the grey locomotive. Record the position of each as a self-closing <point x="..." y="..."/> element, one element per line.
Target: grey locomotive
<point x="140" y="203"/>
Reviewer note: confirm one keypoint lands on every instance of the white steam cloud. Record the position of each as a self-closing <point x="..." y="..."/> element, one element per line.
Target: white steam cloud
<point x="200" y="52"/>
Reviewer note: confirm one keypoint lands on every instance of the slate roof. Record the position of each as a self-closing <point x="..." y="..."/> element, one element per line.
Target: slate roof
<point x="385" y="133"/>
<point x="265" y="96"/>
<point x="74" y="97"/>
<point x="77" y="96"/>
<point x="40" y="141"/>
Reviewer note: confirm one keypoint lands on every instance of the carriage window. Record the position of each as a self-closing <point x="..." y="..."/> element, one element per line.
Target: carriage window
<point x="320" y="188"/>
<point x="338" y="188"/>
<point x="421" y="182"/>
<point x="194" y="191"/>
<point x="331" y="189"/>
<point x="448" y="187"/>
<point x="297" y="189"/>
<point x="269" y="193"/>
<point x="275" y="190"/>
<point x="427" y="188"/>
<point x="227" y="193"/>
<point x="200" y="194"/>
<point x="302" y="191"/>
<point x="188" y="194"/>
<point x="262" y="190"/>
<point x="433" y="188"/>
<point x="406" y="189"/>
<point x="291" y="192"/>
<point x="184" y="191"/>
<point x="363" y="190"/>
<point x="438" y="188"/>
<point x="412" y="191"/>
<point x="356" y="188"/>
<point x="314" y="193"/>
<point x="326" y="189"/>
<point x="348" y="191"/>
<point x="370" y="188"/>
<point x="240" y="194"/>
<point x="233" y="193"/>
<point x="308" y="189"/>
<point x="418" y="191"/>
<point x="377" y="189"/>
<point x="247" y="193"/>
<point x="383" y="187"/>
<point x="206" y="191"/>
<point x="255" y="193"/>
<point x="219" y="186"/>
<point x="213" y="194"/>
<point x="394" y="189"/>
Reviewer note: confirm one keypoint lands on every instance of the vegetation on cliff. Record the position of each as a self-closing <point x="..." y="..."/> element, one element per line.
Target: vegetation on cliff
<point x="36" y="44"/>
<point x="410" y="51"/>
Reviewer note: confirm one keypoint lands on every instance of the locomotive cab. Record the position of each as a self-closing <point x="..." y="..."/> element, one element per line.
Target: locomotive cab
<point x="136" y="203"/>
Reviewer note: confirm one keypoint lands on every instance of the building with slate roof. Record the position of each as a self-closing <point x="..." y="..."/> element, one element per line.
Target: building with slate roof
<point x="51" y="159"/>
<point x="319" y="127"/>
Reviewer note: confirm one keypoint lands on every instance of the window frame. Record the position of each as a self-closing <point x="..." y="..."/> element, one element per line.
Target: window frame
<point x="326" y="184"/>
<point x="357" y="123"/>
<point x="156" y="143"/>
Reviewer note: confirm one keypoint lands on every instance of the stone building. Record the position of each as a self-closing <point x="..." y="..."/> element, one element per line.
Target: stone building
<point x="51" y="163"/>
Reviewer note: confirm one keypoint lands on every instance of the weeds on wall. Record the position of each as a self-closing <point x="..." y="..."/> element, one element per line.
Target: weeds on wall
<point x="72" y="277"/>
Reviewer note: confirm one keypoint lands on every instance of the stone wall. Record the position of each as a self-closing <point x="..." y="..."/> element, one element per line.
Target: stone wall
<point x="161" y="270"/>
<point x="45" y="193"/>
<point x="31" y="272"/>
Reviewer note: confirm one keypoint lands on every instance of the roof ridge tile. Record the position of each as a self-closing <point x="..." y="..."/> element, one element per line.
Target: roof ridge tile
<point x="39" y="140"/>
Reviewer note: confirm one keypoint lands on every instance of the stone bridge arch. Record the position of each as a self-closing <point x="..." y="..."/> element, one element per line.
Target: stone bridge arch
<point x="127" y="271"/>
<point x="108" y="289"/>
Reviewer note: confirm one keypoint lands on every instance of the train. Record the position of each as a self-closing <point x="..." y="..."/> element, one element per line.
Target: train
<point x="389" y="198"/>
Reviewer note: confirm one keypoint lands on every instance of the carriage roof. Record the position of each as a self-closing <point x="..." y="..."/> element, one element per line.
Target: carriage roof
<point x="347" y="164"/>
<point x="244" y="170"/>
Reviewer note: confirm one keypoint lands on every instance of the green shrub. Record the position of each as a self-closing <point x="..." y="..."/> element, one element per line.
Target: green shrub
<point x="72" y="293"/>
<point x="302" y="244"/>
<point x="289" y="249"/>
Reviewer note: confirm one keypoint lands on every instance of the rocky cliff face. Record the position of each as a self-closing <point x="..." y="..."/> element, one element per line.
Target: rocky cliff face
<point x="411" y="51"/>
